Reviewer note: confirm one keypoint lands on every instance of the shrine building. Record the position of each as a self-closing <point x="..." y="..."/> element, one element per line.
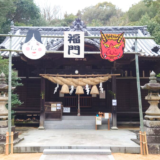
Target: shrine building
<point x="38" y="91"/>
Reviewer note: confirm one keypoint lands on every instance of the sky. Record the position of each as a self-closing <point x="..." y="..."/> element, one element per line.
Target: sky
<point x="72" y="6"/>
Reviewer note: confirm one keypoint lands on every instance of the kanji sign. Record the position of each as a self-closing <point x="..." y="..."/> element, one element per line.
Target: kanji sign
<point x="73" y="44"/>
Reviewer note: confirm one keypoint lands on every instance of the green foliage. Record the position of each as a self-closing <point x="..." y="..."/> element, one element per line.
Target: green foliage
<point x="100" y="14"/>
<point x="136" y="12"/>
<point x="15" y="82"/>
<point x="21" y="12"/>
<point x="158" y="75"/>
<point x="67" y="21"/>
<point x="112" y="93"/>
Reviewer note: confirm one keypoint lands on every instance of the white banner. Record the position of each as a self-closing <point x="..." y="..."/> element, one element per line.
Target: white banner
<point x="98" y="121"/>
<point x="114" y="102"/>
<point x="73" y="44"/>
<point x="66" y="109"/>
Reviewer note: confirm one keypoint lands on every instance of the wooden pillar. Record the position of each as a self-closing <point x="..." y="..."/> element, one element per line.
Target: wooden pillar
<point x="79" y="112"/>
<point x="114" y="108"/>
<point x="42" y="116"/>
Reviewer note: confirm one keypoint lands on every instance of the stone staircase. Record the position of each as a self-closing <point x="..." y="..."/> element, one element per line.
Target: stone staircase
<point x="87" y="153"/>
<point x="75" y="122"/>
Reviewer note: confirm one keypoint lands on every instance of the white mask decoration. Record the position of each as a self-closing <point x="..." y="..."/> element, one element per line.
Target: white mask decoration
<point x="33" y="49"/>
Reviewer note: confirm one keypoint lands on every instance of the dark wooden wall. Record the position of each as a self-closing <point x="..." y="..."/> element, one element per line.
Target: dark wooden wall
<point x="127" y="100"/>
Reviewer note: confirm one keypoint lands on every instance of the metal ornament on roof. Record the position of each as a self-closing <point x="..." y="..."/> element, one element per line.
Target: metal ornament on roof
<point x="112" y="46"/>
<point x="33" y="48"/>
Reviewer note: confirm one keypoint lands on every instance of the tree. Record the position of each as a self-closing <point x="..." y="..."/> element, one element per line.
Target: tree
<point x="15" y="83"/>
<point x="50" y="13"/>
<point x="156" y="5"/>
<point x="101" y="12"/>
<point x="66" y="21"/>
<point x="22" y="12"/>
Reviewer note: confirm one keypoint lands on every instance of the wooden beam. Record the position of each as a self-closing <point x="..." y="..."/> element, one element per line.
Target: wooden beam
<point x="114" y="108"/>
<point x="41" y="125"/>
<point x="92" y="75"/>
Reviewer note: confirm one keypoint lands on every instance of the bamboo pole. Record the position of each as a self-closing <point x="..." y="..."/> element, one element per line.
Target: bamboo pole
<point x="140" y="138"/>
<point x="92" y="75"/>
<point x="7" y="143"/>
<point x="146" y="143"/>
<point x="11" y="142"/>
<point x="9" y="94"/>
<point x="89" y="37"/>
<point x="61" y="52"/>
<point x="138" y="89"/>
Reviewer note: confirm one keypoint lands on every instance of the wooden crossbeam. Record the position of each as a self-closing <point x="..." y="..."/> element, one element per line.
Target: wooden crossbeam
<point x="91" y="75"/>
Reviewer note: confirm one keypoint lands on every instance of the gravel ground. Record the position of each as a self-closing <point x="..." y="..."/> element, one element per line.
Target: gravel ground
<point x="117" y="156"/>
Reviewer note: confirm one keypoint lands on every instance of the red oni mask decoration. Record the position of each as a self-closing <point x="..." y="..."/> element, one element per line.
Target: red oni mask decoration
<point x="112" y="46"/>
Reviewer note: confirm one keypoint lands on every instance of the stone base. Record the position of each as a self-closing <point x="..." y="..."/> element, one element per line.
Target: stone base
<point x="3" y="133"/>
<point x="3" y="130"/>
<point x="151" y="124"/>
<point x="154" y="148"/>
<point x="114" y="128"/>
<point x="3" y="123"/>
<point x="41" y="128"/>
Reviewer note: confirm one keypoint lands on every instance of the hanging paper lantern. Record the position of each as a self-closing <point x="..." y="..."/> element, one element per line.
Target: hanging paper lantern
<point x="94" y="90"/>
<point x="79" y="90"/>
<point x="64" y="89"/>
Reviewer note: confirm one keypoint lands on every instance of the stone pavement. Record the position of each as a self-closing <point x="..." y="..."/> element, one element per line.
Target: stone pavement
<point x="117" y="140"/>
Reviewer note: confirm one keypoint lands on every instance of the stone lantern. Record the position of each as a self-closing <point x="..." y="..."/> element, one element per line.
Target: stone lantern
<point x="3" y="109"/>
<point x="152" y="117"/>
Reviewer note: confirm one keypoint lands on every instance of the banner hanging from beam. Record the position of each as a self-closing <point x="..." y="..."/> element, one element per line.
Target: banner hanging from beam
<point x="73" y="44"/>
<point x="112" y="46"/>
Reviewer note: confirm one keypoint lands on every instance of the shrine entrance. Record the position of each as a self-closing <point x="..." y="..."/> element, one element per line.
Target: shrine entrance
<point x="74" y="93"/>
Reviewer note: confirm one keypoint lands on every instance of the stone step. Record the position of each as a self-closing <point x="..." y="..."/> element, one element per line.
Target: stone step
<point x="75" y="124"/>
<point x="77" y="151"/>
<point x="76" y="157"/>
<point x="78" y="117"/>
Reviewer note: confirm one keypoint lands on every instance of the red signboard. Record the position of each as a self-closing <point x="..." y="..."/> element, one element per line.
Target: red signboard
<point x="112" y="46"/>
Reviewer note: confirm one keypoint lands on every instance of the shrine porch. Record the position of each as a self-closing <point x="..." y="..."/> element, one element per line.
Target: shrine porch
<point x="35" y="141"/>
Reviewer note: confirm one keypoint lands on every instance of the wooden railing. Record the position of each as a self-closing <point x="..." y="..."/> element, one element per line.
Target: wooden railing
<point x="72" y="101"/>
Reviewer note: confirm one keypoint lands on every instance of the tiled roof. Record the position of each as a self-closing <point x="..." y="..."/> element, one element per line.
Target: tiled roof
<point x="147" y="47"/>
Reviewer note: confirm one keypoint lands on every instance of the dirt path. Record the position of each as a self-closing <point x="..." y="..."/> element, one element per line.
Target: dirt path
<point x="34" y="156"/>
<point x="122" y="156"/>
<point x="117" y="156"/>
